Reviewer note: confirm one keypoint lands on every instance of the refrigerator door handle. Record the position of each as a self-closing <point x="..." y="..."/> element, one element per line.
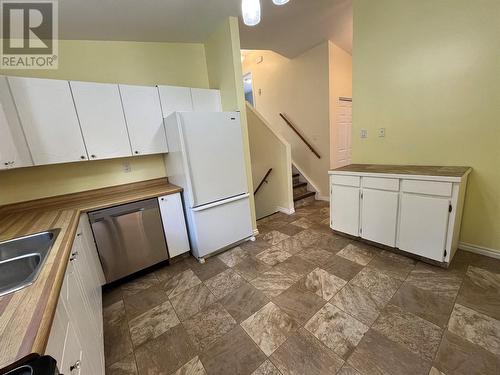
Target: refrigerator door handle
<point x="219" y="203"/>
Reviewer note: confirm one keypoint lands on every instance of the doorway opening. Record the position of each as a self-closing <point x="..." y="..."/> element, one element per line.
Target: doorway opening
<point x="248" y="88"/>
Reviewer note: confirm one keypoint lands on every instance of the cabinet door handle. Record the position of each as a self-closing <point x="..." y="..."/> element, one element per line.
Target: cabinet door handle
<point x="136" y="152"/>
<point x="75" y="366"/>
<point x="93" y="156"/>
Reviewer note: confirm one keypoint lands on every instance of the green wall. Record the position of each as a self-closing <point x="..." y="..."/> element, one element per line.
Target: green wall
<point x="429" y="72"/>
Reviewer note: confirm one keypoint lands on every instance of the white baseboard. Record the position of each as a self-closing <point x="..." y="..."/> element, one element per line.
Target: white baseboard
<point x="492" y="253"/>
<point x="255" y="232"/>
<point x="287" y="211"/>
<point x="322" y="198"/>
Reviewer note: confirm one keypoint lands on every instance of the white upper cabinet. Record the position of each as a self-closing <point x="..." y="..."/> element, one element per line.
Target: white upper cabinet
<point x="206" y="100"/>
<point x="144" y="119"/>
<point x="175" y="99"/>
<point x="49" y="120"/>
<point x="102" y="120"/>
<point x="13" y="148"/>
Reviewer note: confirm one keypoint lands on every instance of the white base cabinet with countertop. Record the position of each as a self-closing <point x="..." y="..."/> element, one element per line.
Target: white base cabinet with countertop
<point x="416" y="213"/>
<point x="76" y="339"/>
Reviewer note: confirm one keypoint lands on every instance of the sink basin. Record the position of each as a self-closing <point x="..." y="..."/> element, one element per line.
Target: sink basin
<point x="21" y="259"/>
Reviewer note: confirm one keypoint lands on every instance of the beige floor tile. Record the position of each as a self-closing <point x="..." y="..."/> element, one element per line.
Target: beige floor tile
<point x="243" y="302"/>
<point x="233" y="256"/>
<point x="224" y="283"/>
<point x="476" y="327"/>
<point x="416" y="334"/>
<point x="336" y="329"/>
<point x="193" y="367"/>
<point x="266" y="368"/>
<point x="300" y="304"/>
<point x="192" y="301"/>
<point x="357" y="253"/>
<point x="180" y="283"/>
<point x="269" y="327"/>
<point x="376" y="282"/>
<point x="303" y="354"/>
<point x="322" y="283"/>
<point x="153" y="323"/>
<point x="234" y="353"/>
<point x="208" y="326"/>
<point x="376" y="354"/>
<point x="273" y="256"/>
<point x="457" y="356"/>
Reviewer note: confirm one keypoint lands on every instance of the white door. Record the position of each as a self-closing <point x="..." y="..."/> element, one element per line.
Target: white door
<point x="379" y="212"/>
<point x="423" y="225"/>
<point x="13" y="148"/>
<point x="72" y="361"/>
<point x="142" y="108"/>
<point x="49" y="120"/>
<point x="175" y="99"/>
<point x="174" y="224"/>
<point x="100" y="111"/>
<point x="342" y="141"/>
<point x="345" y="209"/>
<point x="206" y="100"/>
<point x="214" y="151"/>
<point x="219" y="225"/>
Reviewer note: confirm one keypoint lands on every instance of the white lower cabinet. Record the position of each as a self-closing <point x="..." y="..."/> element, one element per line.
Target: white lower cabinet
<point x="345" y="209"/>
<point x="78" y="319"/>
<point x="423" y="225"/>
<point x="174" y="224"/>
<point x="379" y="215"/>
<point x="418" y="214"/>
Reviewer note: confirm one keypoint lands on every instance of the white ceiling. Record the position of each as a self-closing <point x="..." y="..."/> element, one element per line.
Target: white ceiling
<point x="289" y="30"/>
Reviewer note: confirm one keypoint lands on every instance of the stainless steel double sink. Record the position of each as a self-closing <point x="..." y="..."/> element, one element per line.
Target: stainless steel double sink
<point x="21" y="259"/>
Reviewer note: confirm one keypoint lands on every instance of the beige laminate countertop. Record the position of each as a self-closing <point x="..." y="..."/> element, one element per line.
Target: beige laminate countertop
<point x="422" y="170"/>
<point x="26" y="315"/>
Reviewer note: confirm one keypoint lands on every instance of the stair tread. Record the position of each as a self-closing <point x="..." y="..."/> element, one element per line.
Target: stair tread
<point x="299" y="184"/>
<point x="295" y="175"/>
<point x="303" y="196"/>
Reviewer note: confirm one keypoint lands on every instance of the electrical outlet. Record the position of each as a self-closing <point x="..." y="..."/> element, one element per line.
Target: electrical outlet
<point x="381" y="132"/>
<point x="127" y="168"/>
<point x="364" y="133"/>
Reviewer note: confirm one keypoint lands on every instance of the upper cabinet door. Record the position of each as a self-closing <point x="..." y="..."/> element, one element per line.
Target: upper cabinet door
<point x="49" y="120"/>
<point x="175" y="99"/>
<point x="144" y="119"/>
<point x="102" y="120"/>
<point x="13" y="148"/>
<point x="206" y="100"/>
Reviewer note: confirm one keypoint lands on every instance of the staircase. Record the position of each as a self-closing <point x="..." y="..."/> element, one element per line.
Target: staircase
<point x="301" y="195"/>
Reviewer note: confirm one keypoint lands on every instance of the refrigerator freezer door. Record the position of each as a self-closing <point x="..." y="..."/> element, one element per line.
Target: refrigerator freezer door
<point x="213" y="147"/>
<point x="216" y="226"/>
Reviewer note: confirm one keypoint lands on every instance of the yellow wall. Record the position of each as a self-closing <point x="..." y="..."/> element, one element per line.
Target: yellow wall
<point x="429" y="72"/>
<point x="299" y="88"/>
<point x="224" y="72"/>
<point x="268" y="150"/>
<point x="340" y="65"/>
<point x="45" y="181"/>
<point x="101" y="61"/>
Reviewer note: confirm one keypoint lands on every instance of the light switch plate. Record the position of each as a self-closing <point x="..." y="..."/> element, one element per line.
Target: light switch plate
<point x="364" y="133"/>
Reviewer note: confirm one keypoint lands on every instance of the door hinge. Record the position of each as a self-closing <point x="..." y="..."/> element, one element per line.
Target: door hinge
<point x="450" y="208"/>
<point x="360" y="230"/>
<point x="445" y="253"/>
<point x="361" y="195"/>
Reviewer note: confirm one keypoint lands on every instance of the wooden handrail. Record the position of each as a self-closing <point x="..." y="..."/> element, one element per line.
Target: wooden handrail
<point x="263" y="180"/>
<point x="290" y="124"/>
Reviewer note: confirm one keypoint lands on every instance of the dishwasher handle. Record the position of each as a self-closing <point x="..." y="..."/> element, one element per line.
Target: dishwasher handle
<point x="127" y="212"/>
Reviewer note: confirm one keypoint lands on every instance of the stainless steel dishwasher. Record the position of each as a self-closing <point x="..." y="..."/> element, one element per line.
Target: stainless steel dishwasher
<point x="129" y="238"/>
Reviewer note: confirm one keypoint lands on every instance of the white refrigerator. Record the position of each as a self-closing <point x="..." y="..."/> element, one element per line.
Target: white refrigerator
<point x="206" y="159"/>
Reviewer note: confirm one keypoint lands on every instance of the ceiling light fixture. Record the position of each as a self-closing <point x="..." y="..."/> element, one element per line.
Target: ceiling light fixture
<point x="280" y="2"/>
<point x="251" y="12"/>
